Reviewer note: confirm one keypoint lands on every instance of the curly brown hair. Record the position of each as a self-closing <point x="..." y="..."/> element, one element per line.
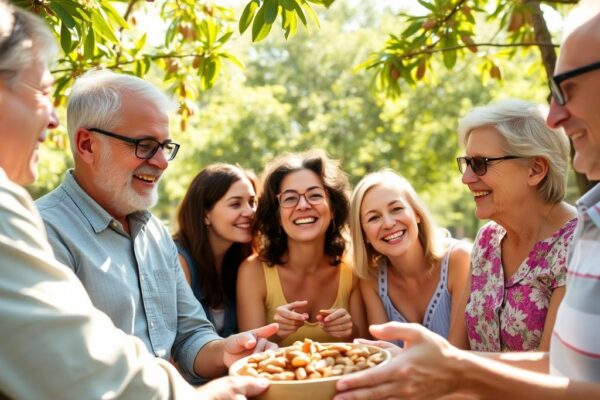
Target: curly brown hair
<point x="273" y="239"/>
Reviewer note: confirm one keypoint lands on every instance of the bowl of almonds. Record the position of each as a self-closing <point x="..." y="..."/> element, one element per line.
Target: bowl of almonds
<point x="308" y="369"/>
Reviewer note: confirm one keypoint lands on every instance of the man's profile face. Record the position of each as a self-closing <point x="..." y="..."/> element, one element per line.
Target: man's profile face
<point x="127" y="182"/>
<point x="580" y="116"/>
<point x="26" y="111"/>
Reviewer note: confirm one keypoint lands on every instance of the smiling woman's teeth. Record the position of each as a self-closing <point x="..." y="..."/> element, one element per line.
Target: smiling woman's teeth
<point x="302" y="221"/>
<point x="394" y="235"/>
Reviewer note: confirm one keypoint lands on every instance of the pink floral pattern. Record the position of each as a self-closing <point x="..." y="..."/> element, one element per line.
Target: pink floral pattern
<point x="511" y="316"/>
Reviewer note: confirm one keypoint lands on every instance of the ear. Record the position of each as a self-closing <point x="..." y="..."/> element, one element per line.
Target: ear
<point x="206" y="220"/>
<point x="85" y="146"/>
<point x="537" y="171"/>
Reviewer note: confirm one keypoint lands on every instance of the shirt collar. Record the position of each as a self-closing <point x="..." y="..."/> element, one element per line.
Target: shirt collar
<point x="97" y="216"/>
<point x="589" y="204"/>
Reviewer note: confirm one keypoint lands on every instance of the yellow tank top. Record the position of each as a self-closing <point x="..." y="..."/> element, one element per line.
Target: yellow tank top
<point x="312" y="330"/>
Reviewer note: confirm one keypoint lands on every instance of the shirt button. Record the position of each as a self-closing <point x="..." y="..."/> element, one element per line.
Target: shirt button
<point x="151" y="324"/>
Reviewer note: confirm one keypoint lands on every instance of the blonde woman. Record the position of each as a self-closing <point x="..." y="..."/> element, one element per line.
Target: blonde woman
<point x="411" y="271"/>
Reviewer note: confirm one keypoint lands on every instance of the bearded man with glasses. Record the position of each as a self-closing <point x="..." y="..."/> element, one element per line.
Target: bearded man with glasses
<point x="99" y="225"/>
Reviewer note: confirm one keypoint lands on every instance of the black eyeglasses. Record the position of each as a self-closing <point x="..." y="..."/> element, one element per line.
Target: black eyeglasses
<point x="556" y="80"/>
<point x="291" y="198"/>
<point x="144" y="148"/>
<point x="479" y="164"/>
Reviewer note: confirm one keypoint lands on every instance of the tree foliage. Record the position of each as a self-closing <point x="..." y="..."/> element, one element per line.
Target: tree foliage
<point x="451" y="29"/>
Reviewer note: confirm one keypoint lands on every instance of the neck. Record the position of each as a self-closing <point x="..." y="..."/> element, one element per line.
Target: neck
<point x="410" y="264"/>
<point x="306" y="256"/>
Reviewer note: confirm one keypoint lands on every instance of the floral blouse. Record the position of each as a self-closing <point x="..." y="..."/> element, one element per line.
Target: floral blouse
<point x="511" y="316"/>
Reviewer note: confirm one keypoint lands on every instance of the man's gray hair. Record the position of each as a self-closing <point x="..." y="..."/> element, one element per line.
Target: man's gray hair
<point x="95" y="99"/>
<point x="522" y="124"/>
<point x="24" y="38"/>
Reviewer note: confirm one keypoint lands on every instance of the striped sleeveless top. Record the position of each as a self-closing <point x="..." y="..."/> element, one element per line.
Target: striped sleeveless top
<point x="437" y="314"/>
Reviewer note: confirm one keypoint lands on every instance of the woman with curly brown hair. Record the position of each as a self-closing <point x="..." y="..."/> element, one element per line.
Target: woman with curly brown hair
<point x="300" y="279"/>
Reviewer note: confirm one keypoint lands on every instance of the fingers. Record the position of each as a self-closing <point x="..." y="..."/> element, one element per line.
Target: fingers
<point x="287" y="311"/>
<point x="265" y="331"/>
<point x="385" y="391"/>
<point x="369" y="378"/>
<point x="248" y="387"/>
<point x="409" y="333"/>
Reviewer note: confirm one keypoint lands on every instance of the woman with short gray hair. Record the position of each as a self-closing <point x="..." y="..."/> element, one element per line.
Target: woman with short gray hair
<point x="516" y="169"/>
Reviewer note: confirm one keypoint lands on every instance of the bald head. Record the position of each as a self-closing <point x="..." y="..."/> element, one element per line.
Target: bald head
<point x="582" y="45"/>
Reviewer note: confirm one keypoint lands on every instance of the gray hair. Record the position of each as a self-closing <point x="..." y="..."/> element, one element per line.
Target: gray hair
<point x="523" y="126"/>
<point x="95" y="99"/>
<point x="24" y="38"/>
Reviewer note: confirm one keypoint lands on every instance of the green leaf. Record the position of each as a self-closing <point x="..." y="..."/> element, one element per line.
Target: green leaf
<point x="232" y="58"/>
<point x="260" y="29"/>
<point x="139" y="45"/>
<point x="299" y="12"/>
<point x="63" y="15"/>
<point x="102" y="28"/>
<point x="248" y="15"/>
<point x="449" y="56"/>
<point x="427" y="5"/>
<point x="287" y="4"/>
<point x="209" y="28"/>
<point x="90" y="43"/>
<point x="171" y="31"/>
<point x="113" y="14"/>
<point x="65" y="38"/>
<point x="311" y="13"/>
<point x="290" y="23"/>
<point x="271" y="10"/>
<point x="224" y="38"/>
<point x="412" y="28"/>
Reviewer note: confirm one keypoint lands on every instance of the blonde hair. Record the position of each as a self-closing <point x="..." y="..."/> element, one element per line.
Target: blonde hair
<point x="365" y="257"/>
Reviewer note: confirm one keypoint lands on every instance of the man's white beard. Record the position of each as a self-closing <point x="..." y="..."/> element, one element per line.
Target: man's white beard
<point x="118" y="185"/>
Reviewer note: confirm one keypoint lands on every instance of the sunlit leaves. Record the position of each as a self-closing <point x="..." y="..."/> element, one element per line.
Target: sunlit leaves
<point x="447" y="30"/>
<point x="262" y="15"/>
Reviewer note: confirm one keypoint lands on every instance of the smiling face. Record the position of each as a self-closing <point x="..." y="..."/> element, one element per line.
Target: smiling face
<point x="388" y="221"/>
<point x="579" y="116"/>
<point x="26" y="113"/>
<point x="124" y="183"/>
<point x="305" y="221"/>
<point x="232" y="216"/>
<point x="504" y="184"/>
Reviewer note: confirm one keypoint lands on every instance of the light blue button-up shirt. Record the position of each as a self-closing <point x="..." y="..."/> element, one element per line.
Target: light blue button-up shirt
<point x="136" y="279"/>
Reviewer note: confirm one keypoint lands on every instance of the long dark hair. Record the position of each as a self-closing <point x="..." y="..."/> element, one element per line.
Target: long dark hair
<point x="273" y="239"/>
<point x="207" y="188"/>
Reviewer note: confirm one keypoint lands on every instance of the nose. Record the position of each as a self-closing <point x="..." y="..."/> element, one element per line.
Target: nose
<point x="302" y="202"/>
<point x="557" y="115"/>
<point x="53" y="120"/>
<point x="469" y="176"/>
<point x="248" y="210"/>
<point x="388" y="221"/>
<point x="159" y="160"/>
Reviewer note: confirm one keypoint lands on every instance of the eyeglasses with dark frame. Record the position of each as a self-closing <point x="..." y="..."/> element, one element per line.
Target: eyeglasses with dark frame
<point x="479" y="164"/>
<point x="555" y="81"/>
<point x="144" y="148"/>
<point x="290" y="198"/>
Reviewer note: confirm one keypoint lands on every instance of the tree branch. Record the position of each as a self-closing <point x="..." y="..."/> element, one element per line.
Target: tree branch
<point x="523" y="44"/>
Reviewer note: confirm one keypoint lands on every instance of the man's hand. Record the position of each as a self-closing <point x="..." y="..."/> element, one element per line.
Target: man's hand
<point x="422" y="370"/>
<point x="233" y="388"/>
<point x="245" y="343"/>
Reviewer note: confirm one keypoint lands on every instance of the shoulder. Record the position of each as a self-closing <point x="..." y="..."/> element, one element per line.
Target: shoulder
<point x="251" y="267"/>
<point x="460" y="252"/>
<point x="51" y="202"/>
<point x="369" y="285"/>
